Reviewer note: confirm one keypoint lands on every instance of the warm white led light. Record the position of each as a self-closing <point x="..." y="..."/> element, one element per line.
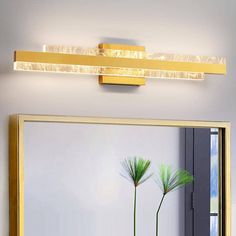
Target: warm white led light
<point x="94" y="51"/>
<point x="71" y="50"/>
<point x="187" y="58"/>
<point x="94" y="70"/>
<point x="127" y="54"/>
<point x="56" y="68"/>
<point x="134" y="54"/>
<point x="181" y="75"/>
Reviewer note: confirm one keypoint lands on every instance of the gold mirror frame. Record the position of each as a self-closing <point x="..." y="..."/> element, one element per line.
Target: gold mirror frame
<point x="16" y="159"/>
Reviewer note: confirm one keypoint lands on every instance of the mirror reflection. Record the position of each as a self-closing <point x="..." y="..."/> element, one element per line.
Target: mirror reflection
<point x="74" y="180"/>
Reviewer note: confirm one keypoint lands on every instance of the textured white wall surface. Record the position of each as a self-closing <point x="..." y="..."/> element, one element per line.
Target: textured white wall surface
<point x="73" y="183"/>
<point x="205" y="27"/>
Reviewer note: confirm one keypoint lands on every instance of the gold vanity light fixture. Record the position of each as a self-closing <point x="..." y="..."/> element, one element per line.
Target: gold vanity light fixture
<point x="118" y="64"/>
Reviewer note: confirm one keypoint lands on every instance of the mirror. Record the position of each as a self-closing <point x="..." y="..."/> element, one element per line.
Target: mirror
<point x="72" y="181"/>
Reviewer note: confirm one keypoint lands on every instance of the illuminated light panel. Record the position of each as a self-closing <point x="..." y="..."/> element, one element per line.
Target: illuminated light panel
<point x="181" y="75"/>
<point x="119" y="61"/>
<point x="142" y="54"/>
<point x="134" y="54"/>
<point x="94" y="51"/>
<point x="187" y="58"/>
<point x="57" y="68"/>
<point x="71" y="50"/>
<point x="94" y="70"/>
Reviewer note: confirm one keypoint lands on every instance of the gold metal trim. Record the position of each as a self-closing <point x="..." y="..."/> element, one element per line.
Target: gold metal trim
<point x="121" y="47"/>
<point x="103" y="61"/>
<point x="16" y="157"/>
<point x="14" y="198"/>
<point x="227" y="183"/>
<point x="121" y="80"/>
<point x="220" y="180"/>
<point x="133" y="81"/>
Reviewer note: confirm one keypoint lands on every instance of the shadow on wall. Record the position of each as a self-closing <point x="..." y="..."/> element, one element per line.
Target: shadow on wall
<point x="119" y="41"/>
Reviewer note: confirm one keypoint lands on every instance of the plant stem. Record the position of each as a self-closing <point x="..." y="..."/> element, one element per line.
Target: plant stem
<point x="135" y="189"/>
<point x="157" y="214"/>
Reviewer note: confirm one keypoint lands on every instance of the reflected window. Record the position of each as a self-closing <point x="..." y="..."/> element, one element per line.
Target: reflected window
<point x="214" y="212"/>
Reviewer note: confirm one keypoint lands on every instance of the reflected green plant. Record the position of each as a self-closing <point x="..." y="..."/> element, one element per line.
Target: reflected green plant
<point x="168" y="181"/>
<point x="136" y="172"/>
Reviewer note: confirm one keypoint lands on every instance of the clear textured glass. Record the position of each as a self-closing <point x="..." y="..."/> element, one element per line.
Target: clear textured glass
<point x="187" y="58"/>
<point x="134" y="54"/>
<point x="129" y="72"/>
<point x="71" y="50"/>
<point x="94" y="51"/>
<point x="96" y="70"/>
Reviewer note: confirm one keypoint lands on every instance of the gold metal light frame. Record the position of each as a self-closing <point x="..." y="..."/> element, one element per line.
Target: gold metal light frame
<point x="118" y="64"/>
<point x="16" y="160"/>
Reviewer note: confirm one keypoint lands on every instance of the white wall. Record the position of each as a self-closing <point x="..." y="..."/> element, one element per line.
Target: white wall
<point x="183" y="26"/>
<point x="73" y="183"/>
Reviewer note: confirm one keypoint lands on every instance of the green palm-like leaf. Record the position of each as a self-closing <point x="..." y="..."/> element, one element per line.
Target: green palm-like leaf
<point x="136" y="170"/>
<point x="170" y="180"/>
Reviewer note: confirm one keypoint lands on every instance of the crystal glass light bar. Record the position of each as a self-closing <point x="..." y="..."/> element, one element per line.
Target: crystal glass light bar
<point x="118" y="61"/>
<point x="94" y="70"/>
<point x="187" y="58"/>
<point x="134" y="54"/>
<point x="162" y="74"/>
<point x="94" y="51"/>
<point x="71" y="50"/>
